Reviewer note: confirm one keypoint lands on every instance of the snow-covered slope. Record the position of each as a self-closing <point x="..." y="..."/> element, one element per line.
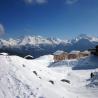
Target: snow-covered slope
<point x="21" y="78"/>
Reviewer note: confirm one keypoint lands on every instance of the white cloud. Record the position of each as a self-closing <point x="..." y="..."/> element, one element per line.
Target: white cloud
<point x="35" y="1"/>
<point x="71" y="1"/>
<point x="28" y="1"/>
<point x="41" y="1"/>
<point x="2" y="31"/>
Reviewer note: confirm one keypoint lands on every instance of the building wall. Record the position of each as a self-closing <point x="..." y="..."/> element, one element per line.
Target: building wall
<point x="82" y="54"/>
<point x="65" y="56"/>
<point x="60" y="57"/>
<point x="73" y="56"/>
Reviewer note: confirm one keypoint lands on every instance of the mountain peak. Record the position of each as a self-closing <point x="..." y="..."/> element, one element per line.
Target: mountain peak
<point x="85" y="37"/>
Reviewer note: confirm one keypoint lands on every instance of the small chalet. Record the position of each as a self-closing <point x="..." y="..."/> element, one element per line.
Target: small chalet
<point x="60" y="55"/>
<point x="74" y="55"/>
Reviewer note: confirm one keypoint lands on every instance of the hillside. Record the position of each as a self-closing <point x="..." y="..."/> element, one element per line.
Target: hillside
<point x="21" y="78"/>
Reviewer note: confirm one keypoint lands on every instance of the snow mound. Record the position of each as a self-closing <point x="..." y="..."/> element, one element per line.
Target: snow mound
<point x="3" y="53"/>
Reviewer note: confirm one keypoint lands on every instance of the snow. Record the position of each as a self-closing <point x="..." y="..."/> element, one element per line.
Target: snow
<point x="28" y="56"/>
<point x="21" y="78"/>
<point x="3" y="53"/>
<point x="38" y="45"/>
<point x="58" y="52"/>
<point x="30" y="40"/>
<point x="74" y="52"/>
<point x="86" y="51"/>
<point x="37" y="40"/>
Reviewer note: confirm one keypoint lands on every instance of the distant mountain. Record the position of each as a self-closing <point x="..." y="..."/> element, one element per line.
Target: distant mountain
<point x="38" y="45"/>
<point x="82" y="42"/>
<point x="33" y="45"/>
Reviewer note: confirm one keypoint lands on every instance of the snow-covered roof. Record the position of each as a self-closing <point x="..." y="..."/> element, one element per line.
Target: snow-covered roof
<point x="3" y="53"/>
<point x="58" y="52"/>
<point x="28" y="56"/>
<point x="86" y="51"/>
<point x="74" y="52"/>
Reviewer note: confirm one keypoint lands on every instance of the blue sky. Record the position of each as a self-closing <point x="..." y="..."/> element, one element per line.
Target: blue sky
<point x="49" y="18"/>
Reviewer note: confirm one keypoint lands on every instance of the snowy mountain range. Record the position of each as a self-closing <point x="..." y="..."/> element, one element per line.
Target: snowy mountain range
<point x="38" y="45"/>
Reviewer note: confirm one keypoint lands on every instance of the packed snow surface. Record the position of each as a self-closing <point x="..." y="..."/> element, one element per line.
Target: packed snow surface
<point x="21" y="78"/>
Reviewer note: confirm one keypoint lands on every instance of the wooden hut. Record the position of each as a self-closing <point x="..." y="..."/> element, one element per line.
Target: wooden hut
<point x="74" y="55"/>
<point x="60" y="55"/>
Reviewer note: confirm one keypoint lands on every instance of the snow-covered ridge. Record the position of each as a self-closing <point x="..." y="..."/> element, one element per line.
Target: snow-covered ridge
<point x="36" y="40"/>
<point x="38" y="45"/>
<point x="31" y="40"/>
<point x="84" y="36"/>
